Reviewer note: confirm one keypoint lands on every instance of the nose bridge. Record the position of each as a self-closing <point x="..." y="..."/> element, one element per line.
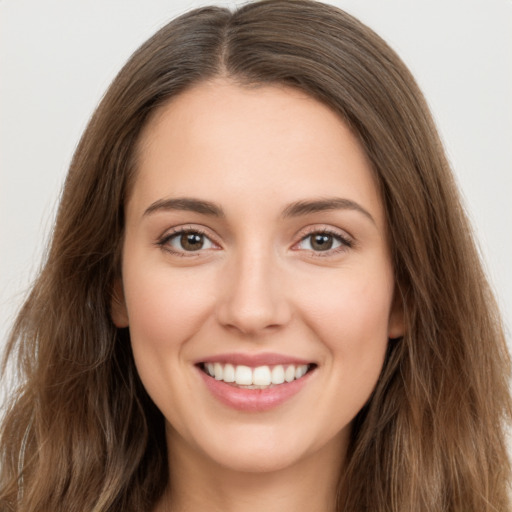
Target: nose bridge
<point x="254" y="298"/>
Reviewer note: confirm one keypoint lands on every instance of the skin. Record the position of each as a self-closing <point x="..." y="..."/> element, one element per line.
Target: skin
<point x="257" y="285"/>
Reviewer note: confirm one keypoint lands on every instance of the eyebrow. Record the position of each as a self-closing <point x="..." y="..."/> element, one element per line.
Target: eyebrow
<point x="187" y="204"/>
<point x="296" y="209"/>
<point x="321" y="205"/>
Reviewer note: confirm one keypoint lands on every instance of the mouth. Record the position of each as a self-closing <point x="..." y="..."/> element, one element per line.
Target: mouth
<point x="255" y="382"/>
<point x="258" y="378"/>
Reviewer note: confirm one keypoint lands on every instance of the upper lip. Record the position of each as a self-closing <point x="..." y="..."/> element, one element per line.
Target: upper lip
<point x="254" y="360"/>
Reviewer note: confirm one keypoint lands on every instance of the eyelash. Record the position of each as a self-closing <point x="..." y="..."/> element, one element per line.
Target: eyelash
<point x="345" y="242"/>
<point x="163" y="242"/>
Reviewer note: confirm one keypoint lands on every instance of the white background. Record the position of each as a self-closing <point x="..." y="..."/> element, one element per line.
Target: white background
<point x="57" y="57"/>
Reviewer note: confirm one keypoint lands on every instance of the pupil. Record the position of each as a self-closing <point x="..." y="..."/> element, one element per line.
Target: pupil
<point x="191" y="241"/>
<point x="321" y="242"/>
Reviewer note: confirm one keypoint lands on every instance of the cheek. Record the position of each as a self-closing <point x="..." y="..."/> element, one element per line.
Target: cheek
<point x="364" y="307"/>
<point x="350" y="315"/>
<point x="164" y="307"/>
<point x="352" y="301"/>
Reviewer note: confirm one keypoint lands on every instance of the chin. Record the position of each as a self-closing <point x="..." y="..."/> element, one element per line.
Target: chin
<point x="264" y="448"/>
<point x="257" y="461"/>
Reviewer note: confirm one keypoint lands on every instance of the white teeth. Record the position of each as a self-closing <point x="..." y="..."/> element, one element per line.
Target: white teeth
<point x="218" y="370"/>
<point x="243" y="375"/>
<point x="300" y="371"/>
<point x="289" y="374"/>
<point x="262" y="376"/>
<point x="229" y="373"/>
<point x="277" y="374"/>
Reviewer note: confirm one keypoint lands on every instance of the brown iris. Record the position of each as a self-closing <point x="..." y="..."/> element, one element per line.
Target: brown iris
<point x="321" y="242"/>
<point x="192" y="241"/>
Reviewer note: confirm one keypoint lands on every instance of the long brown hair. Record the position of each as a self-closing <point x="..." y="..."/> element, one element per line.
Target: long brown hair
<point x="81" y="434"/>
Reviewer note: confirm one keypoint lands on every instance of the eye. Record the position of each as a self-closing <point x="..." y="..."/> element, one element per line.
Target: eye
<point x="187" y="241"/>
<point x="323" y="241"/>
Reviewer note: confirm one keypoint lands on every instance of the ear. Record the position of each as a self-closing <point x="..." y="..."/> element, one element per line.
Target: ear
<point x="118" y="310"/>
<point x="396" y="323"/>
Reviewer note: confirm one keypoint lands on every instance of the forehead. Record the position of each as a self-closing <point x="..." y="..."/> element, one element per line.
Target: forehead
<point x="218" y="137"/>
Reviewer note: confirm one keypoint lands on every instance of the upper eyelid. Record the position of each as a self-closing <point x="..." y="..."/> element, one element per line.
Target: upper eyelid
<point x="324" y="228"/>
<point x="176" y="230"/>
<point x="164" y="242"/>
<point x="300" y="235"/>
<point x="344" y="241"/>
<point x="170" y="233"/>
<point x="347" y="241"/>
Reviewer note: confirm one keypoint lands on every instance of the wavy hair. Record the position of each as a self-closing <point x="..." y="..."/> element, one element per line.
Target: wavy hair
<point x="81" y="434"/>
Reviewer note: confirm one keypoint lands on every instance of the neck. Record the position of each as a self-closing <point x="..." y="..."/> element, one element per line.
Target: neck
<point x="308" y="485"/>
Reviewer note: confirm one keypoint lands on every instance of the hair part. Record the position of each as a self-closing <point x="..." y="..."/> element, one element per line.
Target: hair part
<point x="81" y="433"/>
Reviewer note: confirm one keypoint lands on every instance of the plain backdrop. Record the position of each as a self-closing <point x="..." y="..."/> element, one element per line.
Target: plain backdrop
<point x="57" y="57"/>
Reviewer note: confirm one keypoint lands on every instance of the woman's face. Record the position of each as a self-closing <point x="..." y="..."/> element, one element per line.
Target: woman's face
<point x="255" y="250"/>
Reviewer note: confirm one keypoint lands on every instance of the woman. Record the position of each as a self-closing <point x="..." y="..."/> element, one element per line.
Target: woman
<point x="262" y="292"/>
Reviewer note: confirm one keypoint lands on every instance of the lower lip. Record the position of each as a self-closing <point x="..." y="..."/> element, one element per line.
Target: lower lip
<point x="254" y="400"/>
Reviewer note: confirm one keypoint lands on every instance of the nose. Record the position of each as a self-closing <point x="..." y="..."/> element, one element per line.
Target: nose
<point x="253" y="295"/>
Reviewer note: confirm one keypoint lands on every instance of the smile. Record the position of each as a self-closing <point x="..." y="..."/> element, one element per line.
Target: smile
<point x="254" y="386"/>
<point x="261" y="377"/>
